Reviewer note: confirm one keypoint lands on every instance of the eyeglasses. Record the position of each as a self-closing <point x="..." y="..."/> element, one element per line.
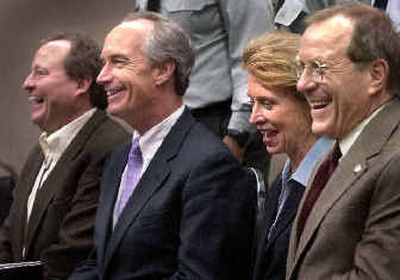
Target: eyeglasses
<point x="316" y="69"/>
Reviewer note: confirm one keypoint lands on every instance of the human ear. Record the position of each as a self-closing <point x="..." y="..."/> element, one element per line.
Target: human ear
<point x="379" y="74"/>
<point x="83" y="85"/>
<point x="163" y="72"/>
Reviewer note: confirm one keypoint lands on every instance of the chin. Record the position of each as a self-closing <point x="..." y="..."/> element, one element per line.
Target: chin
<point x="319" y="128"/>
<point x="113" y="109"/>
<point x="37" y="121"/>
<point x="273" y="151"/>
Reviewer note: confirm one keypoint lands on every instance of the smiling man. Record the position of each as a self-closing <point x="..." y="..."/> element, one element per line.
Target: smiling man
<point x="349" y="227"/>
<point x="174" y="203"/>
<point x="52" y="216"/>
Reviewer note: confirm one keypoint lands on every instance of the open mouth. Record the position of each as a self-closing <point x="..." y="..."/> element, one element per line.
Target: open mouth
<point x="112" y="91"/>
<point x="35" y="100"/>
<point x="269" y="136"/>
<point x="319" y="104"/>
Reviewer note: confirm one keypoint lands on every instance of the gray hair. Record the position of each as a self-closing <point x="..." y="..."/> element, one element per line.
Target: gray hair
<point x="168" y="42"/>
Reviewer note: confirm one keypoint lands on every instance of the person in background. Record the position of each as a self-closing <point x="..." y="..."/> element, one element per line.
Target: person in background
<point x="392" y="9"/>
<point x="54" y="203"/>
<point x="174" y="202"/>
<point x="289" y="14"/>
<point x="217" y="94"/>
<point x="348" y="223"/>
<point x="282" y="115"/>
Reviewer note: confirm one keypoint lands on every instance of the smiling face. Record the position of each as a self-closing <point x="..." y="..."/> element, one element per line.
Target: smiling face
<point x="50" y="91"/>
<point x="127" y="74"/>
<point x="281" y="117"/>
<point x="339" y="101"/>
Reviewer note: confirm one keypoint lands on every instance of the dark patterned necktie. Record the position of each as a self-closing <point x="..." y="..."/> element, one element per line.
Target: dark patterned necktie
<point x="322" y="176"/>
<point x="153" y="5"/>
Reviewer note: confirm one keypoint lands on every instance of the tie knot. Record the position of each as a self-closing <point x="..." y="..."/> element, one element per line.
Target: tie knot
<point x="135" y="151"/>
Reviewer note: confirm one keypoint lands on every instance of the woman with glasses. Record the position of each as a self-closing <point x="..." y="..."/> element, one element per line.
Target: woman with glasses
<point x="282" y="115"/>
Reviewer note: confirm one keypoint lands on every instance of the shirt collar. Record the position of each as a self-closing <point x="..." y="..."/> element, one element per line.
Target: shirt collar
<point x="152" y="139"/>
<point x="306" y="166"/>
<point x="346" y="143"/>
<point x="54" y="145"/>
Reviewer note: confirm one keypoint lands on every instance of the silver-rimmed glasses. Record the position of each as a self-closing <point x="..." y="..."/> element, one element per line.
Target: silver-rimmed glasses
<point x="316" y="70"/>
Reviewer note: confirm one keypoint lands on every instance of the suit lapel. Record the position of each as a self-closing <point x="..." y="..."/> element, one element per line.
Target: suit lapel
<point x="265" y="221"/>
<point x="152" y="179"/>
<point x="109" y="191"/>
<point x="271" y="207"/>
<point x="289" y="210"/>
<point x="146" y="187"/>
<point x="284" y="220"/>
<point x="49" y="187"/>
<point x="350" y="169"/>
<point x="24" y="186"/>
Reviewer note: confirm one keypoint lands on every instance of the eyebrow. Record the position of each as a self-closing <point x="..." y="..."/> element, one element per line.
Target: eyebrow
<point x="119" y="57"/>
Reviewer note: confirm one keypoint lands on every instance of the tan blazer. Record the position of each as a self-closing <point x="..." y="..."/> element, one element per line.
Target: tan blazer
<point x="353" y="231"/>
<point x="61" y="224"/>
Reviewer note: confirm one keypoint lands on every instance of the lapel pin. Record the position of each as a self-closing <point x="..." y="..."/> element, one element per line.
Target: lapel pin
<point x="357" y="168"/>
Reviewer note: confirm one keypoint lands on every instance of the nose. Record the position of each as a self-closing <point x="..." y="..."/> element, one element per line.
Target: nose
<point x="255" y="116"/>
<point x="28" y="83"/>
<point x="104" y="76"/>
<point x="304" y="82"/>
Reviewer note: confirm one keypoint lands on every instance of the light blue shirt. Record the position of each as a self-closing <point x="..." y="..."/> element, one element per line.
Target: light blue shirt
<point x="306" y="167"/>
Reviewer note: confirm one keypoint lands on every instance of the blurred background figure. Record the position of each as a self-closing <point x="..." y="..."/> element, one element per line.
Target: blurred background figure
<point x="289" y="14"/>
<point x="391" y="8"/>
<point x="282" y="115"/>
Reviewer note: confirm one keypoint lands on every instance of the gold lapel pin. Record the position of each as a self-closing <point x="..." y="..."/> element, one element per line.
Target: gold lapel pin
<point x="357" y="168"/>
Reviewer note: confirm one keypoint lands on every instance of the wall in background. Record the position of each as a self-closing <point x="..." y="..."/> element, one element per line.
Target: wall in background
<point x="22" y="24"/>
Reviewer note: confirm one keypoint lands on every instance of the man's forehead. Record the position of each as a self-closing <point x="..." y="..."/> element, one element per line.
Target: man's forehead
<point x="129" y="30"/>
<point x="331" y="36"/>
<point x="338" y="23"/>
<point x="56" y="45"/>
<point x="56" y="50"/>
<point x="137" y="26"/>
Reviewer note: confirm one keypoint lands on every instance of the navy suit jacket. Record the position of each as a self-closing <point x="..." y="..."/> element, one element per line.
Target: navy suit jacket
<point x="190" y="216"/>
<point x="271" y="254"/>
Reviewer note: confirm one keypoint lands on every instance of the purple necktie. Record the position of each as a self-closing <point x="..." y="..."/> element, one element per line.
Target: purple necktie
<point x="132" y="175"/>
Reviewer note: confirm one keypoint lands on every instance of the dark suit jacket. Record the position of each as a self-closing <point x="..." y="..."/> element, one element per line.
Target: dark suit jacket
<point x="271" y="254"/>
<point x="62" y="220"/>
<point x="6" y="187"/>
<point x="353" y="230"/>
<point x="189" y="217"/>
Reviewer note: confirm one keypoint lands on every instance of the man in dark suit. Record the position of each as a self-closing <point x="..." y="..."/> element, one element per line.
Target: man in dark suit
<point x="52" y="216"/>
<point x="190" y="213"/>
<point x="349" y="227"/>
